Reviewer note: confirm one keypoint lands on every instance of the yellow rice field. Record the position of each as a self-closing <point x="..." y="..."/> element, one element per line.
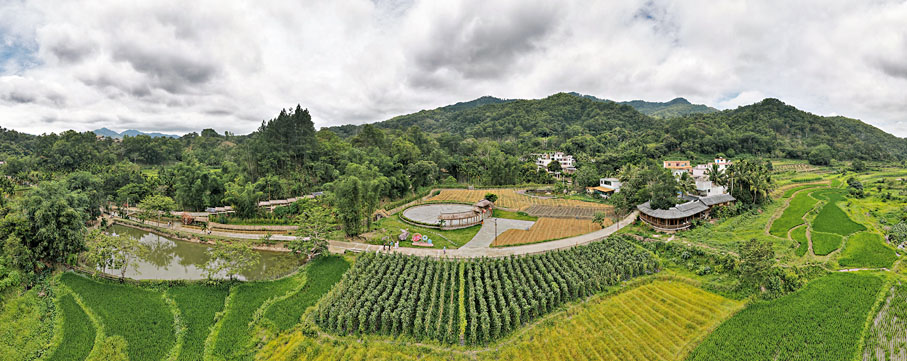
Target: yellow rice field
<point x="662" y="320"/>
<point x="510" y="199"/>
<point x="546" y="229"/>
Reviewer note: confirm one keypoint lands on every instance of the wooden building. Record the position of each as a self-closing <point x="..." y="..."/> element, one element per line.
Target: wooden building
<point x="681" y="216"/>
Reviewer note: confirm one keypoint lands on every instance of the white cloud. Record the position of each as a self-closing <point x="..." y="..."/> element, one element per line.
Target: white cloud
<point x="179" y="66"/>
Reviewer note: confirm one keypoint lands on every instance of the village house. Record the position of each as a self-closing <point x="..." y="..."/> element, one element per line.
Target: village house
<point x="678" y="167"/>
<point x="681" y="216"/>
<point x="568" y="164"/>
<point x="606" y="187"/>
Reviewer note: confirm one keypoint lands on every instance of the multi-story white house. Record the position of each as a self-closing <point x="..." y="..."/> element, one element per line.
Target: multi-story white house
<point x="568" y="164"/>
<point x="700" y="174"/>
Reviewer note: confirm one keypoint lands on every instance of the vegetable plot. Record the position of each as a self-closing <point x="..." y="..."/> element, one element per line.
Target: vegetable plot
<point x="472" y="301"/>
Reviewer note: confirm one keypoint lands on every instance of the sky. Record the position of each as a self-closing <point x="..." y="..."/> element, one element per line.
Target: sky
<point x="182" y="66"/>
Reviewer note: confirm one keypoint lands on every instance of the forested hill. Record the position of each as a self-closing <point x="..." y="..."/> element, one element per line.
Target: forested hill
<point x="673" y="108"/>
<point x="774" y="128"/>
<point x="560" y="114"/>
<point x="584" y="124"/>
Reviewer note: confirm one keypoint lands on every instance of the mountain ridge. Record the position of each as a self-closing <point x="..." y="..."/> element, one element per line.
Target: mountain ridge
<point x="105" y="132"/>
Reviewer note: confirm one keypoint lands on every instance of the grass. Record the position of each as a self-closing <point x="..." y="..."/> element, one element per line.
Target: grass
<point x="233" y="333"/>
<point x="867" y="250"/>
<point x="825" y="243"/>
<point x="138" y="315"/>
<point x="198" y="304"/>
<point x="831" y="219"/>
<point x="793" y="215"/>
<point x="450" y="239"/>
<point x="656" y="321"/>
<point x="799" y="235"/>
<point x="320" y="275"/>
<point x="26" y="324"/>
<point x="728" y="233"/>
<point x="520" y="216"/>
<point x="822" y="321"/>
<point x="78" y="332"/>
<point x="886" y="338"/>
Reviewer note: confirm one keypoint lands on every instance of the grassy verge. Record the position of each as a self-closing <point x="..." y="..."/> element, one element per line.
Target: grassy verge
<point x="138" y="315"/>
<point x="520" y="216"/>
<point x="26" y="324"/>
<point x="450" y="239"/>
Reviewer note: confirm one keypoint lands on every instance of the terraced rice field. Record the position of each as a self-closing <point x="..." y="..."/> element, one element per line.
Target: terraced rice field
<point x="565" y="212"/>
<point x="822" y="321"/>
<point x="825" y="243"/>
<point x="793" y="214"/>
<point x="656" y="321"/>
<point x="546" y="229"/>
<point x="78" y="332"/>
<point x="886" y="338"/>
<point x="831" y="219"/>
<point x="799" y="235"/>
<point x="510" y="199"/>
<point x="866" y="249"/>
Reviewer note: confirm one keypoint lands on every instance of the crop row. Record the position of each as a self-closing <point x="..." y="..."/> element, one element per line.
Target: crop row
<point x="887" y="336"/>
<point x="472" y="301"/>
<point x="546" y="229"/>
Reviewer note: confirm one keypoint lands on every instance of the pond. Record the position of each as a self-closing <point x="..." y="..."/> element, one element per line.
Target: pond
<point x="171" y="259"/>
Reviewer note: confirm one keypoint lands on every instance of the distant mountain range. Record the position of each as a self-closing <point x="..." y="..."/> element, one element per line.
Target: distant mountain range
<point x="131" y="132"/>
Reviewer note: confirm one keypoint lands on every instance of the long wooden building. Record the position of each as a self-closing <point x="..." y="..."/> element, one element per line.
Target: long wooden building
<point x="681" y="216"/>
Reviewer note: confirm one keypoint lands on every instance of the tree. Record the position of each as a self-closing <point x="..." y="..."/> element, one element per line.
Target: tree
<point x="717" y="175"/>
<point x="7" y="188"/>
<point x="491" y="197"/>
<point x="898" y="233"/>
<point x="555" y="166"/>
<point x="157" y="205"/>
<point x="49" y="225"/>
<point x="750" y="180"/>
<point x="243" y="198"/>
<point x="855" y="187"/>
<point x="117" y="252"/>
<point x="686" y="183"/>
<point x="857" y="165"/>
<point x="316" y="224"/>
<point x="230" y="259"/>
<point x="600" y="218"/>
<point x="349" y="194"/>
<point x="422" y="173"/>
<point x="756" y="261"/>
<point x="820" y="155"/>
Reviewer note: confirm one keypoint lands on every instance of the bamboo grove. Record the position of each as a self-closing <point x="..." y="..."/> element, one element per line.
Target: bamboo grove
<point x="472" y="301"/>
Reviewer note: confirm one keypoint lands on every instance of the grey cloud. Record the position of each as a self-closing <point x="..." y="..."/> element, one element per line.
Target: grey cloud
<point x="175" y="73"/>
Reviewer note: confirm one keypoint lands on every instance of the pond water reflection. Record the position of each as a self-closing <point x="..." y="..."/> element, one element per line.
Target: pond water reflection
<point x="170" y="259"/>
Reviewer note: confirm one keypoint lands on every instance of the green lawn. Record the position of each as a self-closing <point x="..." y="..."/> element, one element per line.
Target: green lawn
<point x="78" y="332"/>
<point x="198" y="305"/>
<point x="522" y="216"/>
<point x="450" y="239"/>
<point x="867" y="250"/>
<point x="138" y="315"/>
<point x="793" y="215"/>
<point x="822" y="321"/>
<point x="320" y="276"/>
<point x="799" y="235"/>
<point x="234" y="333"/>
<point x="825" y="243"/>
<point x="831" y="219"/>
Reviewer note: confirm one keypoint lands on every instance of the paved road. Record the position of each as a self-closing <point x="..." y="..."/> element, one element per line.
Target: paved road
<point x="462" y="252"/>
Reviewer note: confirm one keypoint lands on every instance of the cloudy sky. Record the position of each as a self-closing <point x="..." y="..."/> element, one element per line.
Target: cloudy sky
<point x="181" y="66"/>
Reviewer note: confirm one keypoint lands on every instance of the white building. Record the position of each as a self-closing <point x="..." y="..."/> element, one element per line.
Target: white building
<point x="700" y="173"/>
<point x="612" y="183"/>
<point x="568" y="164"/>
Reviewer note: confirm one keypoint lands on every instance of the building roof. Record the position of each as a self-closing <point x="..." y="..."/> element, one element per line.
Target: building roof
<point x="676" y="212"/>
<point x="716" y="199"/>
<point x="601" y="189"/>
<point x="483" y="203"/>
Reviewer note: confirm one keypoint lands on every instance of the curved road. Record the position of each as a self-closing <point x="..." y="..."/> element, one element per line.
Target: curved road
<point x="462" y="252"/>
